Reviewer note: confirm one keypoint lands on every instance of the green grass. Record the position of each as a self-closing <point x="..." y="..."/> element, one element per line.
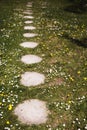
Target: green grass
<point x="64" y="52"/>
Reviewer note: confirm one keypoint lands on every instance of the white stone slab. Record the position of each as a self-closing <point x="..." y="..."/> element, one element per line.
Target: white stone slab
<point x="29" y="79"/>
<point x="29" y="5"/>
<point x="28" y="12"/>
<point x="18" y="9"/>
<point x="32" y="112"/>
<point x="28" y="22"/>
<point x="31" y="59"/>
<point x="28" y="17"/>
<point x="29" y="44"/>
<point x="29" y="35"/>
<point x="29" y="28"/>
<point x="0" y="62"/>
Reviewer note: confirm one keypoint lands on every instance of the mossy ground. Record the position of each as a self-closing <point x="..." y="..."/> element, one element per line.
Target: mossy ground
<point x="62" y="38"/>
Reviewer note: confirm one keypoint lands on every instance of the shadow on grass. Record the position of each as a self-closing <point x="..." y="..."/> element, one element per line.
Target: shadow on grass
<point x="76" y="8"/>
<point x="81" y="43"/>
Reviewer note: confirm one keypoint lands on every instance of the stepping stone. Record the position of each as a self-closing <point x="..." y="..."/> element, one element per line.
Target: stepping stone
<point x="32" y="112"/>
<point x="28" y="22"/>
<point x="28" y="17"/>
<point x="29" y="79"/>
<point x="0" y="62"/>
<point x="29" y="28"/>
<point x="27" y="12"/>
<point x="29" y="5"/>
<point x="29" y="35"/>
<point x="43" y="7"/>
<point x="29" y="44"/>
<point x="31" y="59"/>
<point x="18" y="9"/>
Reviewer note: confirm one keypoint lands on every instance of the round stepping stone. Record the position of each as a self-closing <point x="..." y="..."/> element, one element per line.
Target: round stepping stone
<point x="43" y="7"/>
<point x="27" y="12"/>
<point x="28" y="22"/>
<point x="28" y="17"/>
<point x="32" y="112"/>
<point x="32" y="79"/>
<point x="18" y="9"/>
<point x="28" y="35"/>
<point x="29" y="5"/>
<point x="30" y="59"/>
<point x="29" y="44"/>
<point x="29" y="28"/>
<point x="0" y="62"/>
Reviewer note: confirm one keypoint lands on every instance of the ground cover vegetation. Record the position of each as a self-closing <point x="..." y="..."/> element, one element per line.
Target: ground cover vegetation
<point x="62" y="38"/>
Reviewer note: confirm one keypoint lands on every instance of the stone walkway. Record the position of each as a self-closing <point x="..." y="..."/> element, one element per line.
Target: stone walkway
<point x="31" y="59"/>
<point x="29" y="44"/>
<point x="31" y="111"/>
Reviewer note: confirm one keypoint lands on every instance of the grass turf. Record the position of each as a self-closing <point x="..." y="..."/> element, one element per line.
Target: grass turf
<point x="63" y="46"/>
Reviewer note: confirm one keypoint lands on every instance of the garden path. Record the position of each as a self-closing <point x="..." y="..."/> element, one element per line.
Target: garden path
<point x="32" y="111"/>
